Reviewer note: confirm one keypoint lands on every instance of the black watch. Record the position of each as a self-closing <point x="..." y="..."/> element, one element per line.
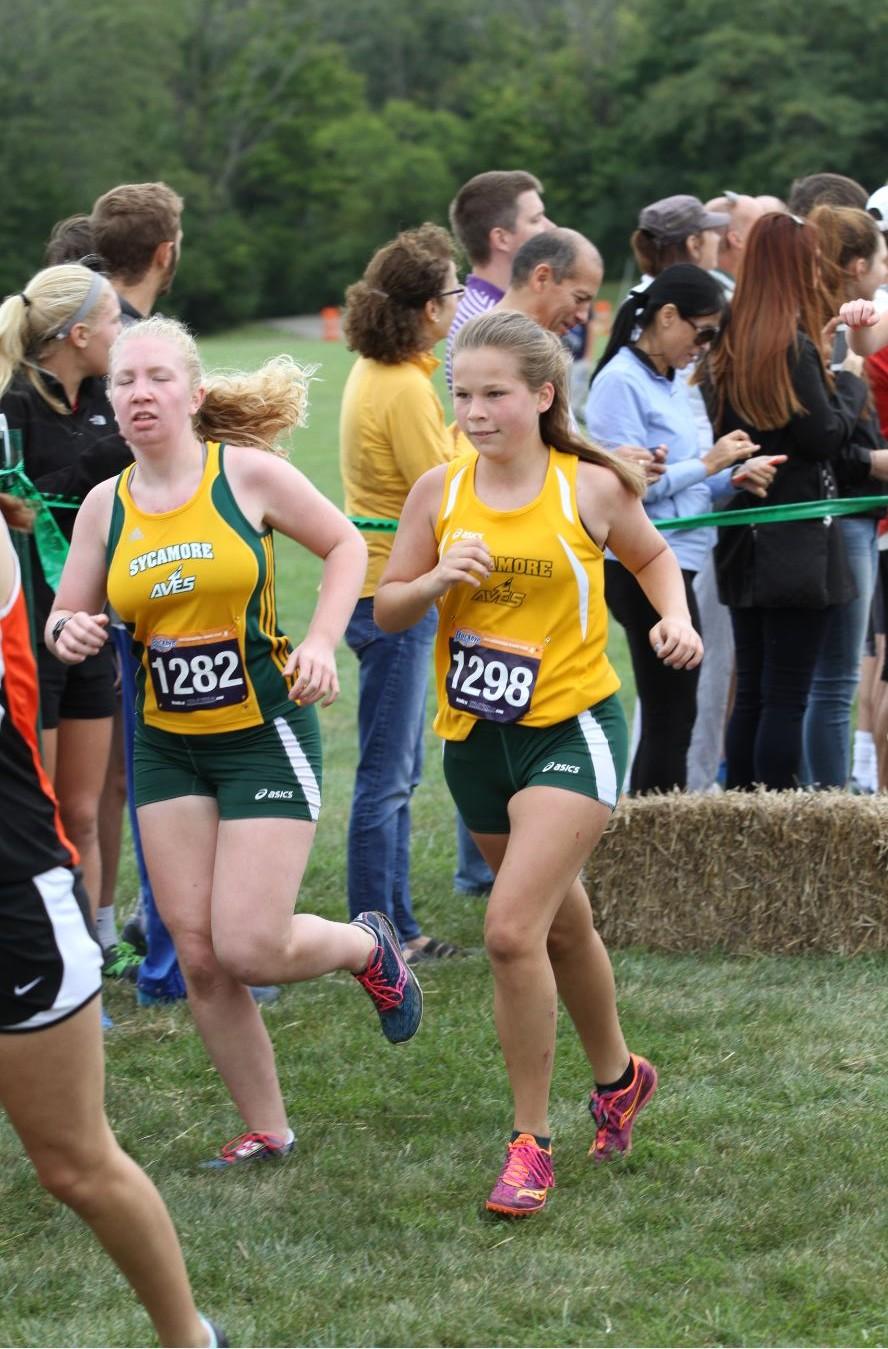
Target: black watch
<point x="57" y="627"/>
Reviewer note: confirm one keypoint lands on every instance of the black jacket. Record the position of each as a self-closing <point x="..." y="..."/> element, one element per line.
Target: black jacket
<point x="800" y="564"/>
<point x="63" y="453"/>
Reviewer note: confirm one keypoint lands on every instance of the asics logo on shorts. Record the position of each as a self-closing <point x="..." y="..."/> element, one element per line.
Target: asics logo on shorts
<point x="264" y="794"/>
<point x="553" y="767"/>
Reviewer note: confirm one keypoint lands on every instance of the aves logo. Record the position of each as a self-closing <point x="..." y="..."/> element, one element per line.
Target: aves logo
<point x="504" y="593"/>
<point x="175" y="584"/>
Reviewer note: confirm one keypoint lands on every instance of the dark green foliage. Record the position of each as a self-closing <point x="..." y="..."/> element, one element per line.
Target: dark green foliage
<point x="304" y="135"/>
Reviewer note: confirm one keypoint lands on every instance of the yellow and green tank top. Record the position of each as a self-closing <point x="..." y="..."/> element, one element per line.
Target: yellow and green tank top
<point x="195" y="588"/>
<point x="529" y="646"/>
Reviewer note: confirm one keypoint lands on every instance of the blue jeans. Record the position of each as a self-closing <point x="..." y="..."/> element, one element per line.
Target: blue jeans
<point x="394" y="670"/>
<point x="472" y="876"/>
<point x="159" y="972"/>
<point x="826" y="759"/>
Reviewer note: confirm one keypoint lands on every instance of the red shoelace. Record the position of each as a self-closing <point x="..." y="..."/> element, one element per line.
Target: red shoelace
<point x="386" y="995"/>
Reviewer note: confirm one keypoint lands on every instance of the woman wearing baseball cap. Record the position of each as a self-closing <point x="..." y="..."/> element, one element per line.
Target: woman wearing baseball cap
<point x="677" y="229"/>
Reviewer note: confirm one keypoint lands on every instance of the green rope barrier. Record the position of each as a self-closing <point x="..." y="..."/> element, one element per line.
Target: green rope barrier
<point x="751" y="515"/>
<point x="770" y="515"/>
<point x="52" y="546"/>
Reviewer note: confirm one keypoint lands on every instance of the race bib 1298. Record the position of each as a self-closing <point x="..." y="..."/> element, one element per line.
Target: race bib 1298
<point x="491" y="677"/>
<point x="197" y="671"/>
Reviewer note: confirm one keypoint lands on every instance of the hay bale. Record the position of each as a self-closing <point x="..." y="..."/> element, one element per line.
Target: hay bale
<point x="783" y="872"/>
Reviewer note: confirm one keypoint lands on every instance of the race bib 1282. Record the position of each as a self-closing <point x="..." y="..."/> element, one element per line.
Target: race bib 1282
<point x="197" y="671"/>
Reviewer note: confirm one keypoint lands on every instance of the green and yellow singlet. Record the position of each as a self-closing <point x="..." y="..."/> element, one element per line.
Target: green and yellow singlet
<point x="195" y="588"/>
<point x="530" y="644"/>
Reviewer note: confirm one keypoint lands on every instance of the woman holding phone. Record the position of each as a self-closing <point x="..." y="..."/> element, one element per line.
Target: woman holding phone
<point x="637" y="398"/>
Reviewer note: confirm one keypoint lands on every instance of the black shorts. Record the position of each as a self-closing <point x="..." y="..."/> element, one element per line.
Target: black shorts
<point x="82" y="692"/>
<point x="50" y="960"/>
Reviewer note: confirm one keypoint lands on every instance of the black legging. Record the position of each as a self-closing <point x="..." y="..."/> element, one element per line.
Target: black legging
<point x="668" y="697"/>
<point x="776" y="651"/>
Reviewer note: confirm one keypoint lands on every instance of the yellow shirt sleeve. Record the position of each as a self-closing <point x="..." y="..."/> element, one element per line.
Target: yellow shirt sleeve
<point x="392" y="430"/>
<point x="417" y="432"/>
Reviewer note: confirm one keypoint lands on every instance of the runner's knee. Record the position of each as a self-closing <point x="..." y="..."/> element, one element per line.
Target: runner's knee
<point x="78" y="1172"/>
<point x="506" y="942"/>
<point x="199" y="963"/>
<point x="247" y="956"/>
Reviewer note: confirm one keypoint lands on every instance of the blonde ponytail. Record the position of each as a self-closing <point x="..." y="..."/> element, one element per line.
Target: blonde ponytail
<point x="46" y="310"/>
<point x="244" y="408"/>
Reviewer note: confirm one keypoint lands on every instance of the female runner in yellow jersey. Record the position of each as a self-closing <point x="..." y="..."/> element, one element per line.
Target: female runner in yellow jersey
<point x="509" y="541"/>
<point x="227" y="761"/>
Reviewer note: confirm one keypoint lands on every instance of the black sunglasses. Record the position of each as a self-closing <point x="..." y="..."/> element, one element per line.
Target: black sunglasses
<point x="457" y="290"/>
<point x="703" y="336"/>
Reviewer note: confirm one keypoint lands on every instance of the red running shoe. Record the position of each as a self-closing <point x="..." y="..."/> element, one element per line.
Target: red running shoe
<point x="392" y="985"/>
<point x="525" y="1180"/>
<point x="249" y="1148"/>
<point x="615" y="1112"/>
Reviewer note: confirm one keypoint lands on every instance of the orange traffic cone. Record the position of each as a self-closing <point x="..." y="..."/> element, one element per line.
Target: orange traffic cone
<point x="330" y="327"/>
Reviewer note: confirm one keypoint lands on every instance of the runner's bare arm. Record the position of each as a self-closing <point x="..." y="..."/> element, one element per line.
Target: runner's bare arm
<point x="82" y="590"/>
<point x="642" y="550"/>
<point x="415" y="577"/>
<point x="272" y="492"/>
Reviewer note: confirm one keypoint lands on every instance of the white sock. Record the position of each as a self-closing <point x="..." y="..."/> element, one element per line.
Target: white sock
<point x="212" y="1342"/>
<point x="864" y="768"/>
<point x="106" y="927"/>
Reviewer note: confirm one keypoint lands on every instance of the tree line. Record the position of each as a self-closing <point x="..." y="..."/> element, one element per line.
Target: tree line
<point x="303" y="134"/>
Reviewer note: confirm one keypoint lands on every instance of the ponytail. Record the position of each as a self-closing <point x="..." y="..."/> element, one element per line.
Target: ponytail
<point x="245" y="408"/>
<point x="52" y="303"/>
<point x="627" y="319"/>
<point x="691" y="289"/>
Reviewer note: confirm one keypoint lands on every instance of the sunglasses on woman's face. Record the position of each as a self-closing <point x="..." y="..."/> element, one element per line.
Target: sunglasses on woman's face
<point x="703" y="336"/>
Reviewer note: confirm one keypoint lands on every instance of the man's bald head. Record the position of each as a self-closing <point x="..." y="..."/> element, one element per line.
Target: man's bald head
<point x="744" y="212"/>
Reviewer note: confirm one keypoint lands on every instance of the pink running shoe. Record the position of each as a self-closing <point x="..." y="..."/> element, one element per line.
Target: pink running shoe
<point x="525" y="1179"/>
<point x="615" y="1112"/>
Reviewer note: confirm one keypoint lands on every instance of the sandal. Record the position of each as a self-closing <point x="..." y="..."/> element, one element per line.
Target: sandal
<point x="439" y="950"/>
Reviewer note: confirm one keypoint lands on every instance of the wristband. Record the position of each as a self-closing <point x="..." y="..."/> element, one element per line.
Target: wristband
<point x="57" y="628"/>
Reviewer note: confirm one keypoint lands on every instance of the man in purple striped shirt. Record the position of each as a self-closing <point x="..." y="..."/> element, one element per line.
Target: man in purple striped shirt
<point x="492" y="215"/>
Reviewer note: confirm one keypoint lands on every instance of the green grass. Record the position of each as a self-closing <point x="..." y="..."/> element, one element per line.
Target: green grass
<point x="752" y="1211"/>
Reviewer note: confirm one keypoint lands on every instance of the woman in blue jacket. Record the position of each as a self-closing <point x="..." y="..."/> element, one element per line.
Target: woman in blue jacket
<point x="635" y="398"/>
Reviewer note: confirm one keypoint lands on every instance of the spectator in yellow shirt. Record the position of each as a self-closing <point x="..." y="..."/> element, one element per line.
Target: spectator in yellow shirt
<point x="392" y="429"/>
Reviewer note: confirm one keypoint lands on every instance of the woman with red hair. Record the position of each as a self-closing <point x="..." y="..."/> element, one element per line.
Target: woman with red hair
<point x="769" y="377"/>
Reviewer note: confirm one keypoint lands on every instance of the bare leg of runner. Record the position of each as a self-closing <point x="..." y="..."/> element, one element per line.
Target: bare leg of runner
<point x="81" y="764"/>
<point x="226" y="892"/>
<point x="537" y="865"/>
<point x="52" y="1087"/>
